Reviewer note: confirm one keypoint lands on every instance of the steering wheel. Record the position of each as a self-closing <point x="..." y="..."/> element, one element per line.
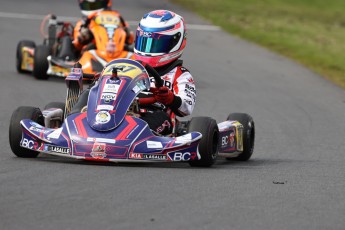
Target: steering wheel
<point x="158" y="83"/>
<point x="152" y="72"/>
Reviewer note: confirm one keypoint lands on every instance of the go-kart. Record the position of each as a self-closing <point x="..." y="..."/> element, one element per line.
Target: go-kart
<point x="111" y="128"/>
<point x="57" y="55"/>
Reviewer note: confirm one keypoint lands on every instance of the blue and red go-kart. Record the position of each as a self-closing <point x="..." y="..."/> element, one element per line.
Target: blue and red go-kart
<point x="111" y="129"/>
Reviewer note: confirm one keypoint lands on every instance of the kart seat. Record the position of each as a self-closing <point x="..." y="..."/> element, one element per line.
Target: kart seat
<point x="66" y="50"/>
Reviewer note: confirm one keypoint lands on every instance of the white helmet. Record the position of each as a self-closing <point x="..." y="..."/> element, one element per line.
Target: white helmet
<point x="160" y="38"/>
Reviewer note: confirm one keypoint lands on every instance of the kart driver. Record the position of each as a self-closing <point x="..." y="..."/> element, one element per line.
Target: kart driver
<point x="160" y="41"/>
<point x="82" y="34"/>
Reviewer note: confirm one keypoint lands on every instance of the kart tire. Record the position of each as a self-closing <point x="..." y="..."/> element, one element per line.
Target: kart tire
<point x="248" y="135"/>
<point x="59" y="105"/>
<point x="19" y="55"/>
<point x="15" y="130"/>
<point x="208" y="145"/>
<point x="41" y="62"/>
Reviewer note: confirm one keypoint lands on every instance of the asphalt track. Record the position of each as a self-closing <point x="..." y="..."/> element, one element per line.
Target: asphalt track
<point x="295" y="179"/>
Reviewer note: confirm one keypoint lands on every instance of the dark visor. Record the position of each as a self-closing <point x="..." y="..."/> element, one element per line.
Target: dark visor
<point x="85" y="5"/>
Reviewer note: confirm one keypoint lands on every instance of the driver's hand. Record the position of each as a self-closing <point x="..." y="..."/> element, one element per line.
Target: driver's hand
<point x="164" y="95"/>
<point x="85" y="35"/>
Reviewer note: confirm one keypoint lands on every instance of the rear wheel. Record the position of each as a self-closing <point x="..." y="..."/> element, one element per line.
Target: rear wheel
<point x="248" y="135"/>
<point x="41" y="62"/>
<point x="208" y="145"/>
<point x="15" y="130"/>
<point x="19" y="54"/>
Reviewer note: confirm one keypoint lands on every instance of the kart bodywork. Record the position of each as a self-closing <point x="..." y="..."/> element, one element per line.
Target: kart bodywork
<point x="111" y="129"/>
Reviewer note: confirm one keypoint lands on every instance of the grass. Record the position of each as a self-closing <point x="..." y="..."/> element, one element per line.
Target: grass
<point x="312" y="32"/>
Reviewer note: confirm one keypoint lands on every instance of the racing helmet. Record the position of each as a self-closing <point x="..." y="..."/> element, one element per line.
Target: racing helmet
<point x="88" y="7"/>
<point x="160" y="38"/>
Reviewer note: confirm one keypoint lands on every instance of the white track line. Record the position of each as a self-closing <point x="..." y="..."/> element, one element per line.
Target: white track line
<point x="74" y="19"/>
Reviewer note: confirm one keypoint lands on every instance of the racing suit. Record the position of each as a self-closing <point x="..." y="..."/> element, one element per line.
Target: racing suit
<point x="83" y="37"/>
<point x="179" y="80"/>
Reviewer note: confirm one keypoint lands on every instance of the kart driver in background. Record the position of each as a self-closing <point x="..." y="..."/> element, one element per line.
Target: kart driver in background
<point x="82" y="34"/>
<point x="159" y="42"/>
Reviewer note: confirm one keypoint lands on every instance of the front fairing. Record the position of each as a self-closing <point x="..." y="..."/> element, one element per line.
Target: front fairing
<point x="111" y="97"/>
<point x="115" y="144"/>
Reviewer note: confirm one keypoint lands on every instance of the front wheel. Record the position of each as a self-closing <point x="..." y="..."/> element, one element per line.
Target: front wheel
<point x="41" y="62"/>
<point x="248" y="135"/>
<point x="208" y="145"/>
<point x="15" y="130"/>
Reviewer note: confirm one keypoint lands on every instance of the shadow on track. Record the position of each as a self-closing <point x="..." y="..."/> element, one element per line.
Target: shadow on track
<point x="221" y="163"/>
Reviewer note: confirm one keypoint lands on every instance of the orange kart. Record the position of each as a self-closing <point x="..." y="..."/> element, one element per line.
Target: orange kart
<point x="57" y="55"/>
